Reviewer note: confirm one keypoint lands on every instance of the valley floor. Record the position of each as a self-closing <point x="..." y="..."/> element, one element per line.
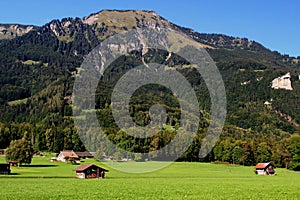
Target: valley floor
<point x="46" y="180"/>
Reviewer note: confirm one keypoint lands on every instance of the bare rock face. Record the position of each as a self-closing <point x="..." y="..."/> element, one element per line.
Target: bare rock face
<point x="10" y="31"/>
<point x="283" y="82"/>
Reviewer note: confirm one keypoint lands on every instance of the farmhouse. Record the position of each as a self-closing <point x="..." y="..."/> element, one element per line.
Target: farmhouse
<point x="90" y="171"/>
<point x="264" y="169"/>
<point x="4" y="169"/>
<point x="66" y="155"/>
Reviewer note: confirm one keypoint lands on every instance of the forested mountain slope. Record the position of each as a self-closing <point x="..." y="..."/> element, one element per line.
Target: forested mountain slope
<point x="38" y="66"/>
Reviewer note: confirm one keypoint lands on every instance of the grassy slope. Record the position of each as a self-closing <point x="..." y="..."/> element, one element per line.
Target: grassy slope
<point x="18" y="102"/>
<point x="178" y="181"/>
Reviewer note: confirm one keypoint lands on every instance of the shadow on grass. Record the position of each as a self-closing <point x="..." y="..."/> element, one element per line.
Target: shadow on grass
<point x="38" y="165"/>
<point x="14" y="174"/>
<point x="9" y="175"/>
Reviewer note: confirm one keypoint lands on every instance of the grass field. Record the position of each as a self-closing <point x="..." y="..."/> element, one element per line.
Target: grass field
<point x="18" y="102"/>
<point x="46" y="180"/>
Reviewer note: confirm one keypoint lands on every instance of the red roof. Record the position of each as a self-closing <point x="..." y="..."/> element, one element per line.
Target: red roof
<point x="84" y="167"/>
<point x="87" y="166"/>
<point x="69" y="153"/>
<point x="262" y="165"/>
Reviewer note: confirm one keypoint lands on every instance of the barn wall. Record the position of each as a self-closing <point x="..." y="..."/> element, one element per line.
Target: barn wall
<point x="61" y="158"/>
<point x="80" y="175"/>
<point x="261" y="172"/>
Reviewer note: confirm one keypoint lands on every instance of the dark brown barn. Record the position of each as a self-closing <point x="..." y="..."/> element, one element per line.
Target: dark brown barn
<point x="90" y="171"/>
<point x="4" y="169"/>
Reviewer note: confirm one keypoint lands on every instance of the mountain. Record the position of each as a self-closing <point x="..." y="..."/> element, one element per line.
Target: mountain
<point x="38" y="67"/>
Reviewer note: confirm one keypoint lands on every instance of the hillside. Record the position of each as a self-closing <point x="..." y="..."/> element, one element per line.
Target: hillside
<point x="38" y="66"/>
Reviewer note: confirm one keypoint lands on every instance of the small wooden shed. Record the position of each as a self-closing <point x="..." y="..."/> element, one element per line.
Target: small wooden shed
<point x="90" y="171"/>
<point x="4" y="169"/>
<point x="264" y="169"/>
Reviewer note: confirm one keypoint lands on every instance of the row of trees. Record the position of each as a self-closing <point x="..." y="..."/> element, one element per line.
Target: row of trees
<point x="285" y="153"/>
<point x="42" y="137"/>
<point x="235" y="150"/>
<point x="246" y="148"/>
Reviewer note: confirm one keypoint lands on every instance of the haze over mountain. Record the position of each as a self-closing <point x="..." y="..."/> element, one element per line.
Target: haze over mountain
<point x="38" y="66"/>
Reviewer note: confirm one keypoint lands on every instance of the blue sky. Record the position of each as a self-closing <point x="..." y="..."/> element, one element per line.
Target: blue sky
<point x="274" y="23"/>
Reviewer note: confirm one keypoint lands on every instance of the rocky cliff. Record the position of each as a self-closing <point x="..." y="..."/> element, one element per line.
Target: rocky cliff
<point x="283" y="82"/>
<point x="9" y="31"/>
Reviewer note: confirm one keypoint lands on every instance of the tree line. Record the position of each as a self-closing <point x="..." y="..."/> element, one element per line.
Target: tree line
<point x="236" y="146"/>
<point x="50" y="138"/>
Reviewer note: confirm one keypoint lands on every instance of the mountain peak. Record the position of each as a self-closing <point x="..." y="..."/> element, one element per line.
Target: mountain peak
<point x="105" y="23"/>
<point x="126" y="18"/>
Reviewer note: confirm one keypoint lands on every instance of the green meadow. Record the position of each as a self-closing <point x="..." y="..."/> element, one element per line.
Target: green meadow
<point x="46" y="180"/>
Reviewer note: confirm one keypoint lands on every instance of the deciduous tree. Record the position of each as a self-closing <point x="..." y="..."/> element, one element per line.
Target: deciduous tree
<point x="20" y="151"/>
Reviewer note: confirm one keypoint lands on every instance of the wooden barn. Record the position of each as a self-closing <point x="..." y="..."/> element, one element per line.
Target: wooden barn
<point x="90" y="171"/>
<point x="4" y="169"/>
<point x="264" y="169"/>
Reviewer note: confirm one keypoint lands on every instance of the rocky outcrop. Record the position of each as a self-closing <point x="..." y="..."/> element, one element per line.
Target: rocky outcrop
<point x="10" y="31"/>
<point x="283" y="82"/>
